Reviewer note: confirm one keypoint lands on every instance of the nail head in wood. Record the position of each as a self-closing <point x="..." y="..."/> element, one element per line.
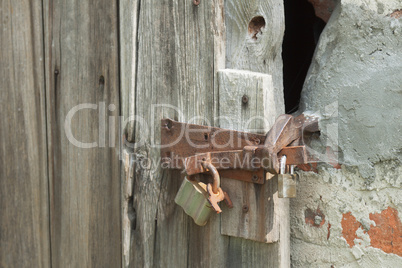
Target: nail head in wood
<point x="244" y="99"/>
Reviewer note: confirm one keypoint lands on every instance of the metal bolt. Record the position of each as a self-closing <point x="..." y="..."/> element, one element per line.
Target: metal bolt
<point x="244" y="99"/>
<point x="196" y="2"/>
<point x="56" y="72"/>
<point x="254" y="178"/>
<point x="245" y="208"/>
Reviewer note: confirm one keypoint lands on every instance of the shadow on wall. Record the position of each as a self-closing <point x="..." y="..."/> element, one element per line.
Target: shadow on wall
<point x="302" y="31"/>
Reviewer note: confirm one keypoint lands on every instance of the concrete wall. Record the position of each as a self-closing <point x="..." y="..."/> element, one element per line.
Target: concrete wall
<point x="350" y="216"/>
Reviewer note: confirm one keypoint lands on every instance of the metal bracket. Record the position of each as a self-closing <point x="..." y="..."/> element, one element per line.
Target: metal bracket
<point x="237" y="155"/>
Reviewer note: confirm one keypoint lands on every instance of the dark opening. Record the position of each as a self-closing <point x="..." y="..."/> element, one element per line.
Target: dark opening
<point x="255" y="26"/>
<point x="101" y="80"/>
<point x="302" y="30"/>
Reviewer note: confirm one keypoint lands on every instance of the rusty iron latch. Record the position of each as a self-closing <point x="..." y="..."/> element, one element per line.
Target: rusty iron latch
<point x="234" y="154"/>
<point x="237" y="155"/>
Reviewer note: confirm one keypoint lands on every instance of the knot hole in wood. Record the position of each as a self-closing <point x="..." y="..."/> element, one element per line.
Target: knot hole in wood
<point x="255" y="26"/>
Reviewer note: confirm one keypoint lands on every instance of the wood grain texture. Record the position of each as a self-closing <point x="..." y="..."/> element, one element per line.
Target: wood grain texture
<point x="128" y="34"/>
<point x="128" y="29"/>
<point x="267" y="216"/>
<point x="263" y="53"/>
<point x="180" y="47"/>
<point x="24" y="207"/>
<point x="260" y="51"/>
<point x="81" y="44"/>
<point x="254" y="215"/>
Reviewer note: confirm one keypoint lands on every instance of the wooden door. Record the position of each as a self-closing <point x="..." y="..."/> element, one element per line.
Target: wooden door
<point x="59" y="202"/>
<point x="172" y="52"/>
<point x="24" y="199"/>
<point x="69" y="69"/>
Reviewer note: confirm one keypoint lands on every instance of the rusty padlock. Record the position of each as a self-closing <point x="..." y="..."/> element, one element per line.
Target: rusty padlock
<point x="198" y="199"/>
<point x="286" y="181"/>
<point x="193" y="198"/>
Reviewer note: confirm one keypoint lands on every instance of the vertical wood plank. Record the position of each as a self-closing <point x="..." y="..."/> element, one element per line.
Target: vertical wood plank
<point x="128" y="29"/>
<point x="128" y="34"/>
<point x="24" y="203"/>
<point x="82" y="68"/>
<point x="180" y="47"/>
<point x="254" y="214"/>
<point x="206" y="247"/>
<point x="256" y="50"/>
<point x="256" y="46"/>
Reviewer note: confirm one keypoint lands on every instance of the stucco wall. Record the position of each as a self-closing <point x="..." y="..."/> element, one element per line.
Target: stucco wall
<point x="351" y="217"/>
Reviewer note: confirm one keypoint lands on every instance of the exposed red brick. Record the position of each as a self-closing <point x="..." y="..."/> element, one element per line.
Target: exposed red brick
<point x="396" y="14"/>
<point x="323" y="8"/>
<point x="349" y="228"/>
<point x="310" y="217"/>
<point x="308" y="167"/>
<point x="387" y="234"/>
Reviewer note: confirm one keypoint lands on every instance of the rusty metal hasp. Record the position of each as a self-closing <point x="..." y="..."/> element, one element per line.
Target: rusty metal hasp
<point x="233" y="154"/>
<point x="237" y="155"/>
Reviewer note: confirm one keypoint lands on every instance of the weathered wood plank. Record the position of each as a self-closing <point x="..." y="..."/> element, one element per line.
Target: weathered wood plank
<point x="254" y="42"/>
<point x="128" y="27"/>
<point x="24" y="203"/>
<point x="253" y="215"/>
<point x="81" y="44"/>
<point x="253" y="48"/>
<point x="177" y="52"/>
<point x="206" y="247"/>
<point x="180" y="47"/>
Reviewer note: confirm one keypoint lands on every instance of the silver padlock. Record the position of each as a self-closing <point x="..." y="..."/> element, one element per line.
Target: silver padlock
<point x="286" y="181"/>
<point x="193" y="198"/>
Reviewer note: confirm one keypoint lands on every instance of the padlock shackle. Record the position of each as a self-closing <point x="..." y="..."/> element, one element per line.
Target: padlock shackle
<point x="215" y="175"/>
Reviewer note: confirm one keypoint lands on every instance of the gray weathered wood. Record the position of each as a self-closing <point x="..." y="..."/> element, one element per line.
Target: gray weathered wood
<point x="128" y="27"/>
<point x="170" y="52"/>
<point x="263" y="54"/>
<point x="179" y="48"/>
<point x="261" y="221"/>
<point x="24" y="203"/>
<point x="81" y="44"/>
